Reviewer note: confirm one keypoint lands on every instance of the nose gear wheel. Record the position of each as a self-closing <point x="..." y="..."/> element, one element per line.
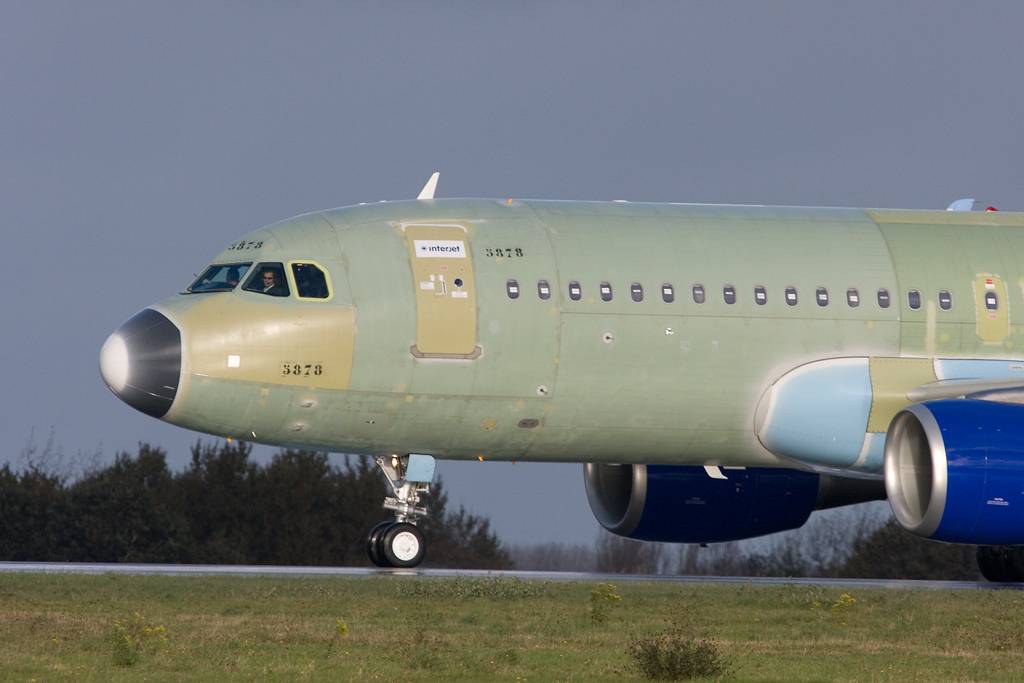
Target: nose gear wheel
<point x="398" y="542"/>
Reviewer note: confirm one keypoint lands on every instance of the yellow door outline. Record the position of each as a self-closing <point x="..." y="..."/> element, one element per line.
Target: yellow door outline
<point x="445" y="289"/>
<point x="993" y="325"/>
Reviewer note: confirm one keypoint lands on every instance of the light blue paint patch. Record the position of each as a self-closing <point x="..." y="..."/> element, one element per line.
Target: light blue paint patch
<point x="958" y="368"/>
<point x="872" y="453"/>
<point x="819" y="412"/>
<point x="420" y="468"/>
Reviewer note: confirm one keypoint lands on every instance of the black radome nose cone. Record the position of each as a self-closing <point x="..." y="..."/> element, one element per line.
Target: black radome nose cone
<point x="141" y="362"/>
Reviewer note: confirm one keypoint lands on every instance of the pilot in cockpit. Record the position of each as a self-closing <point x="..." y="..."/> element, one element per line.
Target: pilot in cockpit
<point x="271" y="283"/>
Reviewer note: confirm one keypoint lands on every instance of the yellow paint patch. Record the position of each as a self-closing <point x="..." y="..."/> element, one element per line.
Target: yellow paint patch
<point x="276" y="342"/>
<point x="891" y="379"/>
<point x="489" y="423"/>
<point x="445" y="291"/>
<point x="979" y="218"/>
<point x="929" y="328"/>
<point x="992" y="326"/>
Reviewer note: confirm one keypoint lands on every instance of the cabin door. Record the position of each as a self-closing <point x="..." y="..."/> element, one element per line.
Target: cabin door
<point x="446" y="307"/>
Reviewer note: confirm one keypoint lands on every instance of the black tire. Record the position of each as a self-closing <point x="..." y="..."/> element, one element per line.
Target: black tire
<point x="1015" y="564"/>
<point x="402" y="545"/>
<point x="1001" y="564"/>
<point x="373" y="546"/>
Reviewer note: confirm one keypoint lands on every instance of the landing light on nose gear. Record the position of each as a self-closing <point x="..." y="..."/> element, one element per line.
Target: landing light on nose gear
<point x="398" y="543"/>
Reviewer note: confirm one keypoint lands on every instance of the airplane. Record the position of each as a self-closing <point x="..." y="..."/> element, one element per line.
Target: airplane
<point x="721" y="371"/>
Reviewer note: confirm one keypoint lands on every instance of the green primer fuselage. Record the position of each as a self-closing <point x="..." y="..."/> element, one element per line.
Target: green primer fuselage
<point x="590" y="380"/>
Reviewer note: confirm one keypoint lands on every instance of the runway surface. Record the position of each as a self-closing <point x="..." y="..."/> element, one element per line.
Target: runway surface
<point x="270" y="571"/>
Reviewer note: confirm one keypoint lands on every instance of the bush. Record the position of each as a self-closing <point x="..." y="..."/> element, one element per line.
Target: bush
<point x="675" y="656"/>
<point x="602" y="599"/>
<point x="133" y="637"/>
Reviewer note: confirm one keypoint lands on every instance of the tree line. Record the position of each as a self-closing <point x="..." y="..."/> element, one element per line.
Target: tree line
<point x="222" y="508"/>
<point x="300" y="509"/>
<point x="851" y="543"/>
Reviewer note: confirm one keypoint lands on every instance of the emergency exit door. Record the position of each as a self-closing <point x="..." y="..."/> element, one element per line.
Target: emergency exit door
<point x="442" y="273"/>
<point x="991" y="308"/>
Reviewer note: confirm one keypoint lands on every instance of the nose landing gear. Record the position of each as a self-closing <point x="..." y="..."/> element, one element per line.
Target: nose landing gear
<point x="398" y="542"/>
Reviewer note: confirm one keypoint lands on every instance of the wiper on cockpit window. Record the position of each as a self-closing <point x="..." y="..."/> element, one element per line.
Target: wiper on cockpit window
<point x="220" y="277"/>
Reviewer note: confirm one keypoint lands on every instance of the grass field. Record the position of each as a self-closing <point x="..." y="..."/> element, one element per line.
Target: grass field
<point x="63" y="627"/>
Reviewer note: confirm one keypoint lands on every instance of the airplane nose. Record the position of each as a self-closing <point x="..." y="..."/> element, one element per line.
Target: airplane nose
<point x="141" y="362"/>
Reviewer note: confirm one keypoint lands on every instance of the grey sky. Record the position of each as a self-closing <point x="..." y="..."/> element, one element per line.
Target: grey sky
<point x="137" y="139"/>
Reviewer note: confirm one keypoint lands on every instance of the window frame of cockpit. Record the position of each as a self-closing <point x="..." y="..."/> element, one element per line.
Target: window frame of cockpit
<point x="258" y="267"/>
<point x="246" y="272"/>
<point x="295" y="288"/>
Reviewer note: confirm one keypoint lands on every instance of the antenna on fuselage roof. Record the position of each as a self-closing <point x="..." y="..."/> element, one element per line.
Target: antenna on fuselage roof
<point x="428" y="190"/>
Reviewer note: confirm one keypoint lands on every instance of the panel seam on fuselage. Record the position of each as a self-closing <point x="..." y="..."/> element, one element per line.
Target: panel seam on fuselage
<point x="545" y="228"/>
<point x="896" y="278"/>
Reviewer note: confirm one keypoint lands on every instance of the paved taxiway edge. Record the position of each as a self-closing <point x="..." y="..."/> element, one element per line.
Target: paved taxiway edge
<point x="275" y="571"/>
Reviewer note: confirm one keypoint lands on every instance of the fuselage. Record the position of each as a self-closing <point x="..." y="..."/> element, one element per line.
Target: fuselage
<point x="583" y="331"/>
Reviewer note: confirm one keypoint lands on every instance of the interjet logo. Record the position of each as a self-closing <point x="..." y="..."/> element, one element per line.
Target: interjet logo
<point x="439" y="248"/>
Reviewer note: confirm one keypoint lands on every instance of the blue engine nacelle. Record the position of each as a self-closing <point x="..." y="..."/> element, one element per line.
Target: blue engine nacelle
<point x="674" y="504"/>
<point x="954" y="471"/>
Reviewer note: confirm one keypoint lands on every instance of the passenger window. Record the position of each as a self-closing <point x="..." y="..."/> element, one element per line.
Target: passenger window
<point x="729" y="294"/>
<point x="636" y="290"/>
<point x="310" y="281"/>
<point x="269" y="279"/>
<point x="668" y="293"/>
<point x="543" y="290"/>
<point x="791" y="296"/>
<point x="821" y="296"/>
<point x="991" y="301"/>
<point x="760" y="296"/>
<point x="512" y="289"/>
<point x="606" y="291"/>
<point x="883" y="298"/>
<point x="852" y="297"/>
<point x="914" y="299"/>
<point x="698" y="294"/>
<point x="575" y="293"/>
<point x="945" y="300"/>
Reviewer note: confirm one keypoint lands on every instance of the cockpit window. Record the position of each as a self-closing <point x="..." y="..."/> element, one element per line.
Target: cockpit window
<point x="267" y="278"/>
<point x="220" y="277"/>
<point x="310" y="281"/>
